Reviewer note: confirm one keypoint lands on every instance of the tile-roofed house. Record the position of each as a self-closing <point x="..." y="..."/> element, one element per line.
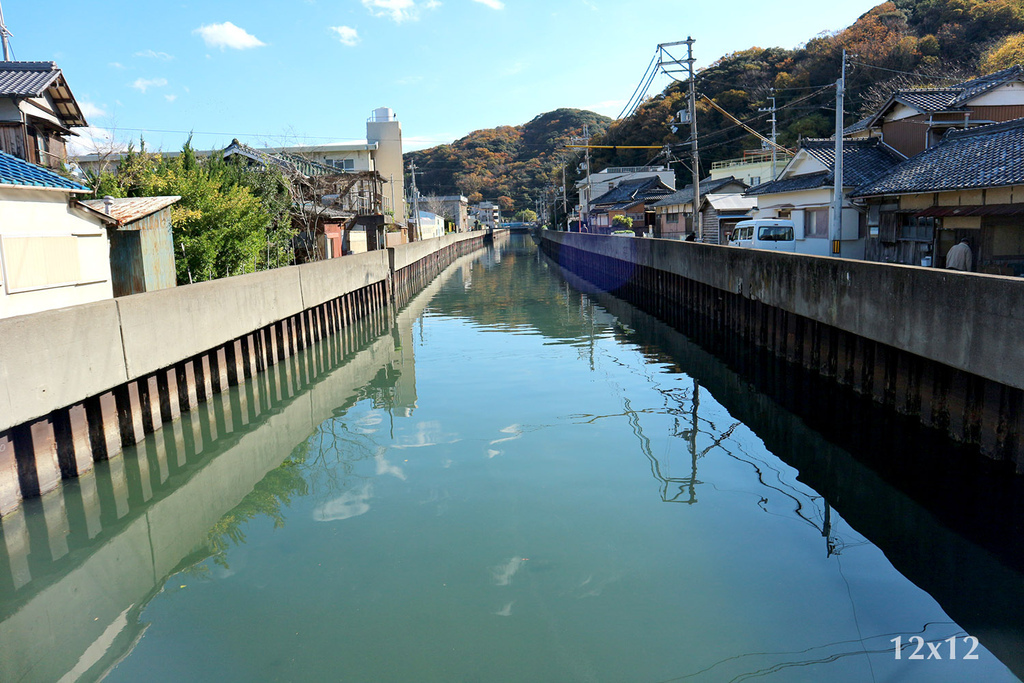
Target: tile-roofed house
<point x="15" y="171"/>
<point x="630" y="198"/>
<point x="913" y="119"/>
<point x="53" y="251"/>
<point x="987" y="156"/>
<point x="674" y="212"/>
<point x="864" y="159"/>
<point x="37" y="112"/>
<point x="972" y="88"/>
<point x="803" y="192"/>
<point x="969" y="185"/>
<point x="596" y="184"/>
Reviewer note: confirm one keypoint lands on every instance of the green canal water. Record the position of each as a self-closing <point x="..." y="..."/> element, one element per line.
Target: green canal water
<point x="507" y="480"/>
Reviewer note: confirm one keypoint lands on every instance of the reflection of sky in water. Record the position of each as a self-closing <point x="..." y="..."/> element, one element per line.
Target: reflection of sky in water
<point x="562" y="560"/>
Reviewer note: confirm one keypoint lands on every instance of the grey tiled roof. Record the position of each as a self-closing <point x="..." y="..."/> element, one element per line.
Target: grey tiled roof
<point x="864" y="159"/>
<point x="929" y="99"/>
<point x="630" y="192"/>
<point x="808" y="181"/>
<point x="32" y="79"/>
<point x="954" y="97"/>
<point x="685" y="195"/>
<point x="973" y="88"/>
<point x="27" y="79"/>
<point x="987" y="156"/>
<point x="863" y="124"/>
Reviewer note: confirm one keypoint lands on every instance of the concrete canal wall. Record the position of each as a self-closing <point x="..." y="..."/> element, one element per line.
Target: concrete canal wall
<point x="111" y="539"/>
<point x="936" y="345"/>
<point x="78" y="384"/>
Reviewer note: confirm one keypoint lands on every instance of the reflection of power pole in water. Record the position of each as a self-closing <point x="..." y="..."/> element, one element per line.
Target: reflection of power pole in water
<point x="826" y="531"/>
<point x="645" y="446"/>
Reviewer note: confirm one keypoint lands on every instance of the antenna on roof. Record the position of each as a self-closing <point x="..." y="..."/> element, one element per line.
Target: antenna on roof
<point x="4" y="35"/>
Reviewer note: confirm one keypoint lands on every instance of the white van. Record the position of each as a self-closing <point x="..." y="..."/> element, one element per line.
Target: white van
<point x="764" y="233"/>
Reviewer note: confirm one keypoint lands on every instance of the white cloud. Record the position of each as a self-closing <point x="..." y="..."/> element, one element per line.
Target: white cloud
<point x="152" y="54"/>
<point x="493" y="4"/>
<point x="513" y="69"/>
<point x="170" y="98"/>
<point x="431" y="4"/>
<point x="228" y="35"/>
<point x="397" y="10"/>
<point x="144" y="84"/>
<point x="347" y="35"/>
<point x="350" y="504"/>
<point x="93" y="140"/>
<point x="117" y="65"/>
<point x="90" y="110"/>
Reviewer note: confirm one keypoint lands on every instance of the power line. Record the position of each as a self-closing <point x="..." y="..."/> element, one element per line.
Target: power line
<point x="638" y="87"/>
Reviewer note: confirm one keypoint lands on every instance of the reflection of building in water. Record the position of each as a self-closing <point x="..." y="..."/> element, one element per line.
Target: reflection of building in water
<point x="405" y="363"/>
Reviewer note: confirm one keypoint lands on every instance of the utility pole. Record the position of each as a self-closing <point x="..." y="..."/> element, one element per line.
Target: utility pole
<point x="392" y="184"/>
<point x="697" y="227"/>
<point x="415" y="201"/>
<point x="585" y="141"/>
<point x="4" y="35"/>
<point x="565" y="206"/>
<point x="836" y="227"/>
<point x="772" y="109"/>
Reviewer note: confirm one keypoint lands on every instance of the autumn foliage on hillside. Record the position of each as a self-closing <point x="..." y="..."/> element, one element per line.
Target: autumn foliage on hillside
<point x="898" y="44"/>
<point x="904" y="43"/>
<point x="510" y="164"/>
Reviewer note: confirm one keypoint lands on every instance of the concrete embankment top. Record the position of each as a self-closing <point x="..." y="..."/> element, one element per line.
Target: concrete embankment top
<point x="969" y="321"/>
<point x="56" y="358"/>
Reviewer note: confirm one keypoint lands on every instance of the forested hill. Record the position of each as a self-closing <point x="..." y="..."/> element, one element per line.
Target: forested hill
<point x="515" y="162"/>
<point x="904" y="43"/>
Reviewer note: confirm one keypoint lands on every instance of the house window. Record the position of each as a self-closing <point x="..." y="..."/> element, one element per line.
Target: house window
<point x="755" y="180"/>
<point x="1007" y="240"/>
<point x="343" y="164"/>
<point x="816" y="224"/>
<point x="672" y="217"/>
<point x="917" y="229"/>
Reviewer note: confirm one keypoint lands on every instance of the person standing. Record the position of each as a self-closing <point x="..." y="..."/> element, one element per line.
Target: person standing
<point x="959" y="256"/>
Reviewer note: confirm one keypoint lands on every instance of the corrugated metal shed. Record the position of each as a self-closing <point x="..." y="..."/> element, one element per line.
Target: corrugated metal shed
<point x="127" y="210"/>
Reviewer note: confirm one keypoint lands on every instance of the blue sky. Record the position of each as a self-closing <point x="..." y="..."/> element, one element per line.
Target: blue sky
<point x="311" y="71"/>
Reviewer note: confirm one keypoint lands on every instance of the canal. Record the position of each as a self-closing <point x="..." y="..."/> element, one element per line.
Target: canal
<point x="516" y="478"/>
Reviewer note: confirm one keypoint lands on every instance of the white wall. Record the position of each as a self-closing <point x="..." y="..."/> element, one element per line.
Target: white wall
<point x="38" y="226"/>
<point x="1009" y="94"/>
<point x="851" y="246"/>
<point x="387" y="160"/>
<point x="431" y="225"/>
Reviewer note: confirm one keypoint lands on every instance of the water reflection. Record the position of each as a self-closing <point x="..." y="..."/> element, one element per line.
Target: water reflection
<point x="493" y="510"/>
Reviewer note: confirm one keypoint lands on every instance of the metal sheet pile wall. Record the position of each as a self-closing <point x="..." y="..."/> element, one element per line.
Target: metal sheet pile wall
<point x="867" y="337"/>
